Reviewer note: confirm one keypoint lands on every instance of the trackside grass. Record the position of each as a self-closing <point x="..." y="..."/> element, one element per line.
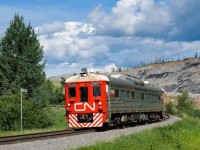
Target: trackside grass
<point x="59" y="124"/>
<point x="183" y="135"/>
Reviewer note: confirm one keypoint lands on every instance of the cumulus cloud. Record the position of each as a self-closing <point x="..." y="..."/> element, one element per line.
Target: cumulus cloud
<point x="134" y="31"/>
<point x="49" y="28"/>
<point x="133" y="17"/>
<point x="75" y="43"/>
<point x="168" y="20"/>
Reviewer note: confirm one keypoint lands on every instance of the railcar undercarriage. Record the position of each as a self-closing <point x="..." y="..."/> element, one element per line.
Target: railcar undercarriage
<point x="121" y="118"/>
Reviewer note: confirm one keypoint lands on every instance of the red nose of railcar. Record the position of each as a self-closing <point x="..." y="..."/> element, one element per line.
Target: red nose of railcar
<point x="86" y="104"/>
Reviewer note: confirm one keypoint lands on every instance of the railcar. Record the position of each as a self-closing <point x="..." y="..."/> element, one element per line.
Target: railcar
<point x="95" y="100"/>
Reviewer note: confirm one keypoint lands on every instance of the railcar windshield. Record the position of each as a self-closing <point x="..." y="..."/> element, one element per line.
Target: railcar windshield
<point x="96" y="91"/>
<point x="72" y="92"/>
<point x="84" y="94"/>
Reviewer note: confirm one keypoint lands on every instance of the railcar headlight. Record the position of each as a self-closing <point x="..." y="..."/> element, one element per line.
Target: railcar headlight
<point x="68" y="104"/>
<point x="100" y="103"/>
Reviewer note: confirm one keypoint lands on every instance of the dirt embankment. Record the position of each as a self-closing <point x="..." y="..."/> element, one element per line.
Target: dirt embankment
<point x="172" y="76"/>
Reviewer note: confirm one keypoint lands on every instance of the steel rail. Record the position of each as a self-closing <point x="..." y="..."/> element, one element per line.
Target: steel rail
<point x="40" y="136"/>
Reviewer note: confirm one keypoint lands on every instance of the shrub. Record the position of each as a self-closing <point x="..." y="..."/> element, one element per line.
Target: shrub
<point x="196" y="113"/>
<point x="170" y="108"/>
<point x="185" y="104"/>
<point x="33" y="116"/>
<point x="57" y="97"/>
<point x="9" y="112"/>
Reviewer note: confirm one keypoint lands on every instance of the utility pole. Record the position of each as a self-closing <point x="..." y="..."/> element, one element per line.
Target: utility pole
<point x="22" y="90"/>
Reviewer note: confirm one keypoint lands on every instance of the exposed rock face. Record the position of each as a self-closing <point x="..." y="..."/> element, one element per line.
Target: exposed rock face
<point x="172" y="76"/>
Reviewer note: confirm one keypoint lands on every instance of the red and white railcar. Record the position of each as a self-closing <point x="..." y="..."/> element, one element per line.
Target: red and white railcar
<point x="86" y="100"/>
<point x="94" y="100"/>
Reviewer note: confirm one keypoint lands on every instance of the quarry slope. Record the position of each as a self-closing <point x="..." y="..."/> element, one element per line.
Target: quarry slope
<point x="172" y="76"/>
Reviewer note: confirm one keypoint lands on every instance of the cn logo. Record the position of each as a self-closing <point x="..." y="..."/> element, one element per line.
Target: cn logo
<point x="83" y="106"/>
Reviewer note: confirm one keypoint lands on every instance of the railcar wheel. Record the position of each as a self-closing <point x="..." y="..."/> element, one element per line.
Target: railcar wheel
<point x="104" y="128"/>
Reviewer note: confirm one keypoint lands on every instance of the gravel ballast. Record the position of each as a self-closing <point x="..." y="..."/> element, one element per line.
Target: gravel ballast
<point x="84" y="139"/>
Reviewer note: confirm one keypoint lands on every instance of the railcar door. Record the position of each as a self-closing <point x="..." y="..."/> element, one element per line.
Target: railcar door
<point x="99" y="97"/>
<point x="97" y="93"/>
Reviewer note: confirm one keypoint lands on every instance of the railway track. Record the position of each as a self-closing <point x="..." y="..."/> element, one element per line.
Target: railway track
<point x="40" y="136"/>
<point x="63" y="133"/>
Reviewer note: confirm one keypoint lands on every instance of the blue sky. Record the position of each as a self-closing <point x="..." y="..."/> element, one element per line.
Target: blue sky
<point x="105" y="34"/>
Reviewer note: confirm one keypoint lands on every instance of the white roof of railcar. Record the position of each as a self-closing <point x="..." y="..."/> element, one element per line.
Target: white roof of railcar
<point x="88" y="77"/>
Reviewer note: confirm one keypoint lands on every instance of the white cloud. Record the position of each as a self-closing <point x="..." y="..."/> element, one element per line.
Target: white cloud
<point x="102" y="69"/>
<point x="133" y="17"/>
<point x="79" y="48"/>
<point x="49" y="28"/>
<point x="73" y="47"/>
<point x="65" y="29"/>
<point x="54" y="47"/>
<point x="66" y="39"/>
<point x="110" y="68"/>
<point x="134" y="31"/>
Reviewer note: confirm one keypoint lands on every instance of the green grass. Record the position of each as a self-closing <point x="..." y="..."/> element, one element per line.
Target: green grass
<point x="58" y="105"/>
<point x="60" y="119"/>
<point x="59" y="124"/>
<point x="183" y="135"/>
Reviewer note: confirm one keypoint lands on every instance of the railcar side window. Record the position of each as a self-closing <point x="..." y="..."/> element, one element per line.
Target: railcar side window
<point x="116" y="93"/>
<point x="84" y="94"/>
<point x="146" y="96"/>
<point x="128" y="94"/>
<point x="96" y="91"/>
<point x="137" y="96"/>
<point x="72" y="92"/>
<point x="142" y="96"/>
<point x="132" y="95"/>
<point x="154" y="97"/>
<point x="123" y="94"/>
<point x="149" y="97"/>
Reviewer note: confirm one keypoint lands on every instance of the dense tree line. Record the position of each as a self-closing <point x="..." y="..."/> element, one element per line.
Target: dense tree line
<point x="21" y="66"/>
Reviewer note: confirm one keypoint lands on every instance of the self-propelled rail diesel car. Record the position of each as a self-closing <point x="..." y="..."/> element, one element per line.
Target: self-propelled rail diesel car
<point x="94" y="100"/>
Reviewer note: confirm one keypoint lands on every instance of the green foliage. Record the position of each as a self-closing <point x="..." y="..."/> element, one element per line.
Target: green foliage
<point x="181" y="135"/>
<point x="9" y="112"/>
<point x="22" y="67"/>
<point x="36" y="111"/>
<point x="184" y="107"/>
<point x="21" y="56"/>
<point x="170" y="108"/>
<point x="58" y="93"/>
<point x="196" y="113"/>
<point x="37" y="117"/>
<point x="185" y="104"/>
<point x="42" y="94"/>
<point x="58" y="96"/>
<point x="33" y="117"/>
<point x="62" y="82"/>
<point x="59" y="121"/>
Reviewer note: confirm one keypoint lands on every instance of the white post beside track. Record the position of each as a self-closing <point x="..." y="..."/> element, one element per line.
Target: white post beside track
<point x="22" y="90"/>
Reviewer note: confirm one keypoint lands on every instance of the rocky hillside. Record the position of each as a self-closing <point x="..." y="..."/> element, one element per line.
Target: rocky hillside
<point x="172" y="76"/>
